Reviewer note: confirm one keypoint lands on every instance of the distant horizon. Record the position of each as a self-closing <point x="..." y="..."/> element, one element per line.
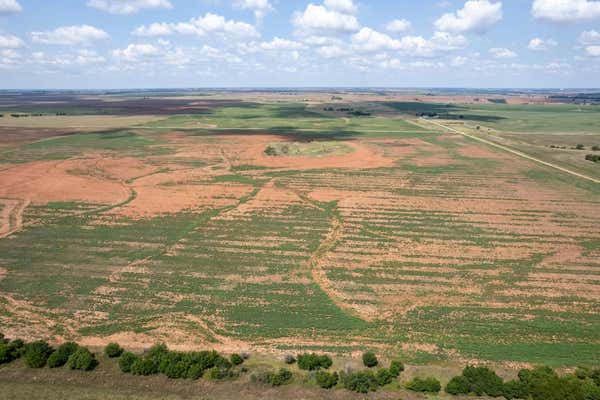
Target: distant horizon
<point x="304" y="88"/>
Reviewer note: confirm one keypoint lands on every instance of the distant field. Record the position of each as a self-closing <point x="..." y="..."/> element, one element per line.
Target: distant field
<point x="414" y="242"/>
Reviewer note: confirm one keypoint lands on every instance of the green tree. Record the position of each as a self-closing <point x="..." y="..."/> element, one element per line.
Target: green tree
<point x="82" y="359"/>
<point x="37" y="353"/>
<point x="113" y="350"/>
<point x="370" y="359"/>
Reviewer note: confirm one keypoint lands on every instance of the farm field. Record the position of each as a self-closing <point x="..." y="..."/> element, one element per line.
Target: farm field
<point x="372" y="230"/>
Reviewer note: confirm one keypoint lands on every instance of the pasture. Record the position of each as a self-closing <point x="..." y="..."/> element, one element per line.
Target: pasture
<point x="368" y="232"/>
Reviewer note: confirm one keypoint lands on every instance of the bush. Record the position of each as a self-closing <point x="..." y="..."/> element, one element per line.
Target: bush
<point x="458" y="385"/>
<point x="384" y="377"/>
<point x="174" y="365"/>
<point x="483" y="380"/>
<point x="396" y="367"/>
<point x="236" y="359"/>
<point x="312" y="362"/>
<point x="596" y="148"/>
<point x="219" y="373"/>
<point x="126" y="361"/>
<point x="289" y="359"/>
<point x="113" y="350"/>
<point x="326" y="380"/>
<point x="11" y="351"/>
<point x="82" y="359"/>
<point x="514" y="389"/>
<point x="62" y="354"/>
<point x="592" y="157"/>
<point x="195" y="371"/>
<point x="370" y="359"/>
<point x="144" y="366"/>
<point x="360" y="382"/>
<point x="429" y="385"/>
<point x="37" y="353"/>
<point x="279" y="378"/>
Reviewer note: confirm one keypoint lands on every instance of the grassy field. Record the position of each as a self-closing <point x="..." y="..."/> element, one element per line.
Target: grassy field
<point x="417" y="243"/>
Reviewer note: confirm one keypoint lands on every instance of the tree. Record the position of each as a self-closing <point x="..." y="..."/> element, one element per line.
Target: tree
<point x="458" y="385"/>
<point x="144" y="366"/>
<point x="360" y="382"/>
<point x="289" y="359"/>
<point x="126" y="361"/>
<point x="312" y="361"/>
<point x="82" y="359"/>
<point x="396" y="367"/>
<point x="384" y="377"/>
<point x="370" y="359"/>
<point x="425" y="385"/>
<point x="11" y="351"/>
<point x="113" y="350"/>
<point x="37" y="353"/>
<point x="282" y="377"/>
<point x="483" y="380"/>
<point x="326" y="380"/>
<point x="62" y="354"/>
<point x="236" y="359"/>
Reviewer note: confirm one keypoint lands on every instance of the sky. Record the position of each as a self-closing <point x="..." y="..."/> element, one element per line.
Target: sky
<point x="112" y="44"/>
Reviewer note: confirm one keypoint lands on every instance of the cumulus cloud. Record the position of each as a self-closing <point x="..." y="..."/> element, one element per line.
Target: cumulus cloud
<point x="476" y="16"/>
<point x="593" y="51"/>
<point x="589" y="37"/>
<point x="135" y="52"/>
<point x="538" y="44"/>
<point x="70" y="35"/>
<point x="398" y="26"/>
<point x="260" y="7"/>
<point x="127" y="6"/>
<point x="9" y="7"/>
<point x="343" y="6"/>
<point x="10" y="42"/>
<point x="566" y="10"/>
<point x="200" y="26"/>
<point x="281" y="44"/>
<point x="369" y="40"/>
<point x="501" y="52"/>
<point x="317" y="18"/>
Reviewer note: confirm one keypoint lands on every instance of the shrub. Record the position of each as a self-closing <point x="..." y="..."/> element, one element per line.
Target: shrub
<point x="483" y="380"/>
<point x="592" y="158"/>
<point x="113" y="350"/>
<point x="126" y="361"/>
<point x="62" y="354"/>
<point x="236" y="359"/>
<point x="458" y="385"/>
<point x="370" y="359"/>
<point x="384" y="377"/>
<point x="144" y="366"/>
<point x="279" y="378"/>
<point x="219" y="373"/>
<point x="596" y="148"/>
<point x="37" y="353"/>
<point x="396" y="367"/>
<point x="10" y="351"/>
<point x="514" y="389"/>
<point x="326" y="380"/>
<point x="157" y="351"/>
<point x="174" y="365"/>
<point x="82" y="359"/>
<point x="195" y="371"/>
<point x="360" y="382"/>
<point x="429" y="385"/>
<point x="312" y="362"/>
<point x="580" y="147"/>
<point x="289" y="359"/>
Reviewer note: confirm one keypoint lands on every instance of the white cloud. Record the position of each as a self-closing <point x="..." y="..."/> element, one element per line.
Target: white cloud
<point x="566" y="10"/>
<point x="343" y="6"/>
<point x="369" y="40"/>
<point x="500" y="52"/>
<point x="70" y="35"/>
<point x="9" y="7"/>
<point x="458" y="61"/>
<point x="593" y="51"/>
<point x="320" y="18"/>
<point x="537" y="44"/>
<point x="260" y="7"/>
<point x="476" y="16"/>
<point x="332" y="51"/>
<point x="589" y="37"/>
<point x="127" y="6"/>
<point x="86" y="57"/>
<point x="398" y="26"/>
<point x="200" y="26"/>
<point x="281" y="44"/>
<point x="134" y="52"/>
<point x="10" y="42"/>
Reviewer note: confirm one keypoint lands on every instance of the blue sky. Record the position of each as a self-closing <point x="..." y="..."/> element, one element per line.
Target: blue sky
<point x="273" y="43"/>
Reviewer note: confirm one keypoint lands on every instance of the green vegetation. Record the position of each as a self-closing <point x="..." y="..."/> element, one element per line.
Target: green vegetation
<point x="279" y="378"/>
<point x="82" y="359"/>
<point x="478" y="380"/>
<point x="62" y="354"/>
<point x="312" y="361"/>
<point x="113" y="350"/>
<point x="325" y="379"/>
<point x="370" y="359"/>
<point x="360" y="382"/>
<point x="37" y="353"/>
<point x="427" y="385"/>
<point x="311" y="149"/>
